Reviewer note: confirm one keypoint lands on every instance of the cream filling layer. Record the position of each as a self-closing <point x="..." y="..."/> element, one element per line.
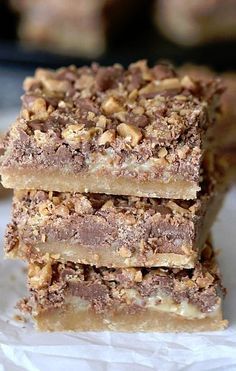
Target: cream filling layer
<point x="155" y="303"/>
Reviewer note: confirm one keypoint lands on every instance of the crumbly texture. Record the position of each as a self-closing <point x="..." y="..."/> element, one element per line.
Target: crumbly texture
<point x="226" y="124"/>
<point x="137" y="123"/>
<point x="134" y="231"/>
<point x="108" y="290"/>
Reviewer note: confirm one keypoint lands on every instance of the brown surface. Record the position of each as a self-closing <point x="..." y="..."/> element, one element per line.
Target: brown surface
<point x="113" y="231"/>
<point x="111" y="126"/>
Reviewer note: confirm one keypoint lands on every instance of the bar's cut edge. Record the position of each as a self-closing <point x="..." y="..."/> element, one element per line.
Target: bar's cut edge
<point x="92" y="183"/>
<point x="51" y="250"/>
<point x="68" y="319"/>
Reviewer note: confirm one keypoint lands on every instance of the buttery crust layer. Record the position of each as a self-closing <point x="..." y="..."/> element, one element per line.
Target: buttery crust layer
<point x="113" y="126"/>
<point x="72" y="318"/>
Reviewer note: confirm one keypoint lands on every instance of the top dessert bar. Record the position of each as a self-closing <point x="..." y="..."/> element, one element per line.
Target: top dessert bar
<point x="138" y="131"/>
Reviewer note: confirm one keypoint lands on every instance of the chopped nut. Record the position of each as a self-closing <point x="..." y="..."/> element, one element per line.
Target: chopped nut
<point x="111" y="105"/>
<point x="120" y="115"/>
<point x="72" y="133"/>
<point x="42" y="74"/>
<point x="62" y="104"/>
<point x="176" y="208"/>
<point x="19" y="318"/>
<point x="90" y="116"/>
<point x="55" y="256"/>
<point x="25" y="114"/>
<point x="102" y="122"/>
<point x="142" y="65"/>
<point x="107" y="137"/>
<point x="162" y="152"/>
<point x="83" y="206"/>
<point x="84" y="82"/>
<point x="138" y="276"/>
<point x="38" y="105"/>
<point x="56" y="200"/>
<point x="124" y="252"/>
<point x="160" y="272"/>
<point x="39" y="109"/>
<point x="172" y="83"/>
<point x="186" y="250"/>
<point x="130" y="132"/>
<point x="133" y="95"/>
<point x="29" y="82"/>
<point x="39" y="277"/>
<point x="205" y="281"/>
<point x="158" y="86"/>
<point x="188" y="83"/>
<point x="130" y="219"/>
<point x="43" y="209"/>
<point x="62" y="210"/>
<point x="108" y="205"/>
<point x="58" y="86"/>
<point x="138" y="110"/>
<point x="40" y="137"/>
<point x="150" y="88"/>
<point x="182" y="152"/>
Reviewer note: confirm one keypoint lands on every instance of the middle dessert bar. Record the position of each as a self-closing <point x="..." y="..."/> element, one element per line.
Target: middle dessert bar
<point x="112" y="231"/>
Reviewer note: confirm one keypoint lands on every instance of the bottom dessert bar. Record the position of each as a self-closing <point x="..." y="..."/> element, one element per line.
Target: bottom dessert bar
<point x="76" y="297"/>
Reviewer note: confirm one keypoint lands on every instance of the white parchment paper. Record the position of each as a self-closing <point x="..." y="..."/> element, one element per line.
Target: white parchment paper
<point x="21" y="348"/>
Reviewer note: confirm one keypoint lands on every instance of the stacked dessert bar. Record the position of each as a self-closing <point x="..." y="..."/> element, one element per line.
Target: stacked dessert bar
<point x="83" y="28"/>
<point x="116" y="186"/>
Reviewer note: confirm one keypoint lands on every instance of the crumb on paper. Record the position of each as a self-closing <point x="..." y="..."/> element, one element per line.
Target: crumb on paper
<point x="19" y="318"/>
<point x="12" y="277"/>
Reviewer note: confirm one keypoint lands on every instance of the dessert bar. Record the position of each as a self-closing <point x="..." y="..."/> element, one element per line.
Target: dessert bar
<point x="69" y="296"/>
<point x="76" y="27"/>
<point x="138" y="131"/>
<point x="113" y="231"/>
<point x="191" y="22"/>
